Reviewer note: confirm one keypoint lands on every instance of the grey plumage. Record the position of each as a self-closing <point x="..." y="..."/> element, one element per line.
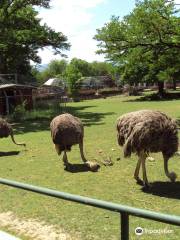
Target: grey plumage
<point x="147" y="131"/>
<point x="66" y="131"/>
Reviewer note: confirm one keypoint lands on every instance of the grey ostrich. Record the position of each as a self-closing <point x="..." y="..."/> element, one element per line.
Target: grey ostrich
<point x="6" y="130"/>
<point x="66" y="131"/>
<point x="147" y="131"/>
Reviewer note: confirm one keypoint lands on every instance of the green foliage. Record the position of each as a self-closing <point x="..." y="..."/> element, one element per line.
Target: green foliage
<point x="144" y="42"/>
<point x="102" y="68"/>
<point x="82" y="66"/>
<point x="59" y="69"/>
<point x="19" y="112"/>
<point x="135" y="69"/>
<point x="22" y="34"/>
<point x="43" y="110"/>
<point x="55" y="69"/>
<point x="78" y="68"/>
<point x="37" y="75"/>
<point x="72" y="77"/>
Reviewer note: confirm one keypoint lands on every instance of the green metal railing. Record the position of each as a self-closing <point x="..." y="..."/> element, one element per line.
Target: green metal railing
<point x="124" y="211"/>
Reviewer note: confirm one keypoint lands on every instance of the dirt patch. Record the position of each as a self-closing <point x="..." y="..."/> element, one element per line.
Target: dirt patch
<point x="32" y="228"/>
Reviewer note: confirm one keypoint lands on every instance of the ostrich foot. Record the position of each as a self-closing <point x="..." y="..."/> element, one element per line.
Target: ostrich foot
<point x="172" y="176"/>
<point x="67" y="167"/>
<point x="93" y="166"/>
<point x="147" y="185"/>
<point x="138" y="180"/>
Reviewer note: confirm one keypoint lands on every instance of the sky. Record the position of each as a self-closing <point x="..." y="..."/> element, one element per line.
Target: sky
<point x="78" y="20"/>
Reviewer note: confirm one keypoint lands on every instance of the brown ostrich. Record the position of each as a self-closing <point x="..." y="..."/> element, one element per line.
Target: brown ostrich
<point x="66" y="131"/>
<point x="147" y="131"/>
<point x="6" y="130"/>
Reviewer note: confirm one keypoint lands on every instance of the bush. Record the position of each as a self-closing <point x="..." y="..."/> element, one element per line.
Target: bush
<point x="19" y="111"/>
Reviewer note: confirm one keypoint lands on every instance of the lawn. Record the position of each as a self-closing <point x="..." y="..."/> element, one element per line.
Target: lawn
<point x="39" y="165"/>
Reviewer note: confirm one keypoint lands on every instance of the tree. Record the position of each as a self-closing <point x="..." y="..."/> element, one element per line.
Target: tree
<point x="79" y="68"/>
<point x="82" y="66"/>
<point x="151" y="30"/>
<point x="72" y="77"/>
<point x="135" y="69"/>
<point x="22" y="35"/>
<point x="99" y="68"/>
<point x="104" y="68"/>
<point x="169" y="65"/>
<point x="55" y="69"/>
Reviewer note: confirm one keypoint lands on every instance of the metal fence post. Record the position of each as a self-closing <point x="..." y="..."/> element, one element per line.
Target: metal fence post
<point x="124" y="226"/>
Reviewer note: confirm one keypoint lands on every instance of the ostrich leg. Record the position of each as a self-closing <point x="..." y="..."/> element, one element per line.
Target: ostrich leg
<point x="145" y="180"/>
<point x="12" y="137"/>
<point x="82" y="152"/>
<point x="65" y="160"/>
<point x="93" y="166"/>
<point x="171" y="175"/>
<point x="136" y="173"/>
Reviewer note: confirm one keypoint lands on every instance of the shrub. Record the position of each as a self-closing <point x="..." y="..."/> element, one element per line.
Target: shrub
<point x="19" y="111"/>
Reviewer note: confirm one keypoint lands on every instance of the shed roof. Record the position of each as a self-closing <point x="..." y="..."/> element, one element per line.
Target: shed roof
<point x="55" y="82"/>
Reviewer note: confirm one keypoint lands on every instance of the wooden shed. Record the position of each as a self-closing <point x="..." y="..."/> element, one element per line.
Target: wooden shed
<point x="12" y="95"/>
<point x="54" y="88"/>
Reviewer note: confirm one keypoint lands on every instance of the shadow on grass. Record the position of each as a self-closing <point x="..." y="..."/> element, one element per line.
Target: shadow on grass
<point x="168" y="96"/>
<point x="178" y="121"/>
<point x="80" y="167"/>
<point x="164" y="189"/>
<point x="11" y="153"/>
<point x="88" y="118"/>
<point x="41" y="123"/>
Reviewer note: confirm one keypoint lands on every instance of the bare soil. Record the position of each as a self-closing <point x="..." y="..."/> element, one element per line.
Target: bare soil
<point x="33" y="228"/>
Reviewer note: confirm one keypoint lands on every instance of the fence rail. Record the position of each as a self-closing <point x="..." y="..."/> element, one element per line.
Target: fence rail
<point x="124" y="210"/>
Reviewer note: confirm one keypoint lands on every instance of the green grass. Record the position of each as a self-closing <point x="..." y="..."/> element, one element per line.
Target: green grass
<point x="41" y="166"/>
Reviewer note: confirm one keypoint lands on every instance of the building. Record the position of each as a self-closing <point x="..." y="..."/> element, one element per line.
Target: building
<point x="96" y="82"/>
<point x="12" y="95"/>
<point x="53" y="88"/>
<point x="55" y="82"/>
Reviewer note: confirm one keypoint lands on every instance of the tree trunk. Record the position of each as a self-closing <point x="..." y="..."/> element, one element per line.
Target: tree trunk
<point x="161" y="88"/>
<point x="174" y="84"/>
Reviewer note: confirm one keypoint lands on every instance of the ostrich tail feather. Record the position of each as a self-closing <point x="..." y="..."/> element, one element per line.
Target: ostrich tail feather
<point x="58" y="149"/>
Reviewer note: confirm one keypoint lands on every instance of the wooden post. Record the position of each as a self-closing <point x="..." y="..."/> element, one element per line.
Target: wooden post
<point x="7" y="102"/>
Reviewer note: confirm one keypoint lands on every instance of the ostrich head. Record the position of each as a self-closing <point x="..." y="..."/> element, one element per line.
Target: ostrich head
<point x="93" y="165"/>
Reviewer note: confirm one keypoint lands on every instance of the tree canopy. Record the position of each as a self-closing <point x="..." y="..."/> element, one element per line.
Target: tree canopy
<point x="22" y="34"/>
<point x="144" y="42"/>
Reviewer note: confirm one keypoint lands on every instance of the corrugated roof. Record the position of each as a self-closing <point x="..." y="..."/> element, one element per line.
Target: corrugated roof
<point x="51" y="81"/>
<point x="54" y="82"/>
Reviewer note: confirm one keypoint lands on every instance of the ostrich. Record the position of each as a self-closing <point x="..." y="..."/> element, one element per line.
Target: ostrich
<point x="67" y="130"/>
<point x="6" y="130"/>
<point x="147" y="131"/>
